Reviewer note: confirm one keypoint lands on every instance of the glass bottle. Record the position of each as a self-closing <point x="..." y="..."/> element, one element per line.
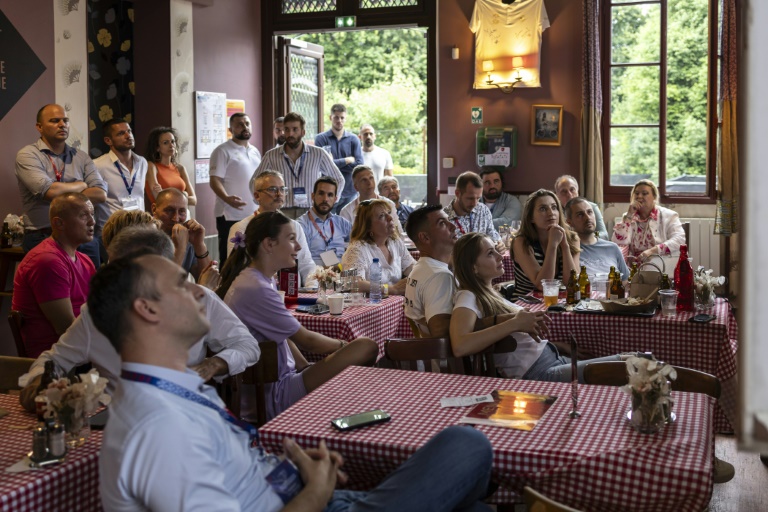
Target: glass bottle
<point x="632" y="271"/>
<point x="612" y="274"/>
<point x="617" y="287"/>
<point x="572" y="291"/>
<point x="585" y="287"/>
<point x="684" y="281"/>
<point x="7" y="237"/>
<point x="665" y="284"/>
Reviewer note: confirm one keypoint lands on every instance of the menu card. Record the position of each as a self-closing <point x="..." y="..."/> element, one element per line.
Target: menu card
<point x="511" y="409"/>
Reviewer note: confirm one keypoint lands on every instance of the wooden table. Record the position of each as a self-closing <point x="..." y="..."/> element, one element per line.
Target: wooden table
<point x="597" y="462"/>
<point x="72" y="485"/>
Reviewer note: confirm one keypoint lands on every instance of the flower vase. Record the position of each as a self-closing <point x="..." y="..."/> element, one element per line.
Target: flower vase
<point x="322" y="296"/>
<point x="704" y="297"/>
<point x="77" y="428"/>
<point x="647" y="415"/>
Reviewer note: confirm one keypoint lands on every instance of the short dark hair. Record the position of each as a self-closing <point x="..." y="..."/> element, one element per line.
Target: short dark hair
<point x="338" y="107"/>
<point x="106" y="128"/>
<point x="293" y="117"/>
<point x="358" y="169"/>
<point x="66" y="203"/>
<point x="145" y="236"/>
<point x="325" y="179"/>
<point x="236" y="115"/>
<point x="571" y="203"/>
<point x="280" y="119"/>
<point x="468" y="178"/>
<point x="485" y="171"/>
<point x="417" y="221"/>
<point x="165" y="194"/>
<point x="113" y="290"/>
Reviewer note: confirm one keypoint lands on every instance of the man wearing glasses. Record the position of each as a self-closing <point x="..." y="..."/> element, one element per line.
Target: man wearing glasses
<point x="300" y="165"/>
<point x="269" y="191"/>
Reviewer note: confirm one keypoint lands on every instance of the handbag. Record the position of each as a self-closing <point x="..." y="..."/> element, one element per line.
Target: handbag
<point x="645" y="283"/>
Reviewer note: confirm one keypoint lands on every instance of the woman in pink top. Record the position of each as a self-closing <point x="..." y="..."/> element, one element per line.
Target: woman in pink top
<point x="163" y="171"/>
<point x="248" y="288"/>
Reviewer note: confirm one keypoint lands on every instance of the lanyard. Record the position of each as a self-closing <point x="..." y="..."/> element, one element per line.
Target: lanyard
<point x="133" y="181"/>
<point x="471" y="224"/>
<point x="292" y="167"/>
<point x="183" y="392"/>
<point x="58" y="172"/>
<point x="326" y="240"/>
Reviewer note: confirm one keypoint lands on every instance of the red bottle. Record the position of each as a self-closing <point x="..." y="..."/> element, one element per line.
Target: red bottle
<point x="684" y="281"/>
<point x="288" y="281"/>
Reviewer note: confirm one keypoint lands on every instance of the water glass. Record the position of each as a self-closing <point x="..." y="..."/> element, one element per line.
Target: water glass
<point x="668" y="302"/>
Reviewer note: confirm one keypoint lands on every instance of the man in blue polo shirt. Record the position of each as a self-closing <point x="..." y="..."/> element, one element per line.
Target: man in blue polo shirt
<point x="324" y="230"/>
<point x="345" y="148"/>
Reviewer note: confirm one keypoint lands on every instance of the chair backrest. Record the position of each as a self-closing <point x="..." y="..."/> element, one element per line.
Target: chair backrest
<point x="406" y="353"/>
<point x="15" y="320"/>
<point x="687" y="231"/>
<point x="536" y="502"/>
<point x="484" y="364"/>
<point x="415" y="328"/>
<point x="263" y="372"/>
<point x="614" y="373"/>
<point x="11" y="368"/>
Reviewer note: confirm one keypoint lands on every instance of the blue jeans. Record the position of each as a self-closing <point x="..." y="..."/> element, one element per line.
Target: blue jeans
<point x="450" y="472"/>
<point x="552" y="367"/>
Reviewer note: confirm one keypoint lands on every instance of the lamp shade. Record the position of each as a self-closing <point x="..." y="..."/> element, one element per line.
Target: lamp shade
<point x="517" y="62"/>
<point x="487" y="65"/>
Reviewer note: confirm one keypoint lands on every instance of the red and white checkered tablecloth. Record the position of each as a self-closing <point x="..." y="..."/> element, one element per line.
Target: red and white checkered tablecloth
<point x="376" y="321"/>
<point x="597" y="462"/>
<point x="709" y="347"/>
<point x="72" y="485"/>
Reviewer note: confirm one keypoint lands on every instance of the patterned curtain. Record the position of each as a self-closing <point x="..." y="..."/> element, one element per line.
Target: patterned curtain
<point x="726" y="216"/>
<point x="591" y="104"/>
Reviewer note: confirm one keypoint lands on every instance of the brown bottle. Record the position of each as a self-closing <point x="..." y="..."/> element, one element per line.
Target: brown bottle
<point x="572" y="291"/>
<point x="617" y="287"/>
<point x="665" y="284"/>
<point x="585" y="287"/>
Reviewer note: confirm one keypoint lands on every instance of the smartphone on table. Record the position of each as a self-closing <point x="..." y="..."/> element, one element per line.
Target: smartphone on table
<point x="360" y="420"/>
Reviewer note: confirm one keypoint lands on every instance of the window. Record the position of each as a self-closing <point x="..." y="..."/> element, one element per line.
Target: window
<point x="660" y="97"/>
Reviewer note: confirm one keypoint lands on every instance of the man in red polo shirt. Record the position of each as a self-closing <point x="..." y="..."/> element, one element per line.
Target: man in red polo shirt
<point x="53" y="279"/>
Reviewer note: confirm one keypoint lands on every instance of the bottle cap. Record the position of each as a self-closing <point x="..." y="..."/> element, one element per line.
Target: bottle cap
<point x="375" y="260"/>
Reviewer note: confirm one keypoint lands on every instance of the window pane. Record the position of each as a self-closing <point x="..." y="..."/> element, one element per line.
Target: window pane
<point x="634" y="155"/>
<point x="635" y="95"/>
<point x="635" y="33"/>
<point x="299" y="6"/>
<point x="373" y="4"/>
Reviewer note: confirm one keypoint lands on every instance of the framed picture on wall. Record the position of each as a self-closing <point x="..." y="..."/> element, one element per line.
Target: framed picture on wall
<point x="546" y="125"/>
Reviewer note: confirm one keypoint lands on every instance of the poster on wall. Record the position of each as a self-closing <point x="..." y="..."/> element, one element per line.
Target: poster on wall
<point x="19" y="66"/>
<point x="210" y="122"/>
<point x="233" y="107"/>
<point x="202" y="171"/>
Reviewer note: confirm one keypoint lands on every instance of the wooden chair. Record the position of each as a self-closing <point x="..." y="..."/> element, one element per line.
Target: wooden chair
<point x="11" y="368"/>
<point x="614" y="373"/>
<point x="536" y="502"/>
<point x="484" y="365"/>
<point x="405" y="353"/>
<point x="15" y="320"/>
<point x="263" y="372"/>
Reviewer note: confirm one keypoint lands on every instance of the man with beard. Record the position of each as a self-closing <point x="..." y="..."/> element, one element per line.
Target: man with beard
<point x="596" y="254"/>
<point x="300" y="164"/>
<point x="505" y="208"/>
<point x="278" y="130"/>
<point x="468" y="214"/>
<point x="345" y="149"/>
<point x="231" y="166"/>
<point x="124" y="172"/>
<point x="390" y="188"/>
<point x="325" y="231"/>
<point x="378" y="159"/>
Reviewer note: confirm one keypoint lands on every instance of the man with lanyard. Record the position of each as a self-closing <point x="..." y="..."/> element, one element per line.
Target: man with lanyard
<point x="468" y="214"/>
<point x="269" y="192"/>
<point x="326" y="232"/>
<point x="231" y="166"/>
<point x="174" y="446"/>
<point x="345" y="148"/>
<point x="123" y="171"/>
<point x="300" y="164"/>
<point x="50" y="168"/>
<point x="504" y="207"/>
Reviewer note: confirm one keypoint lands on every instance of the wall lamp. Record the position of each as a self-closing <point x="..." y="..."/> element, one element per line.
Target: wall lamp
<point x="506" y="87"/>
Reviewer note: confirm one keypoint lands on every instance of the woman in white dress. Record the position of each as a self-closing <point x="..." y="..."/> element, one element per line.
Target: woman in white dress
<point x="374" y="236"/>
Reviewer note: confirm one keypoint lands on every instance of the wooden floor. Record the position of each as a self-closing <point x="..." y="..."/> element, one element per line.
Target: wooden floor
<point x="748" y="491"/>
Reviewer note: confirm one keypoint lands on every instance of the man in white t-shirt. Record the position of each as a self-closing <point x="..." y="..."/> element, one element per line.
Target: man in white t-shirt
<point x="231" y="166"/>
<point x="378" y="159"/>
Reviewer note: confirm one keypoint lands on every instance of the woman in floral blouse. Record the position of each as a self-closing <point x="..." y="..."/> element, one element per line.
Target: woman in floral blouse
<point x="648" y="229"/>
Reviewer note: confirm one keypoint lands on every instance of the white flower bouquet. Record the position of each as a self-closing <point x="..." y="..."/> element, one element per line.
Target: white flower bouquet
<point x="71" y="403"/>
<point x="649" y="386"/>
<point x="704" y="284"/>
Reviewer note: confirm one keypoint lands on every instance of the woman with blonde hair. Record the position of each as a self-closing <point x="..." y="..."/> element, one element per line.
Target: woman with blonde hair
<point x="647" y="229"/>
<point x="543" y="247"/>
<point x="163" y="170"/>
<point x="122" y="219"/>
<point x="476" y="264"/>
<point x="374" y="236"/>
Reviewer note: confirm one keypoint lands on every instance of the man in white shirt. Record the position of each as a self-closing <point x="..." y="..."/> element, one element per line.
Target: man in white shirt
<point x="269" y="192"/>
<point x="123" y="171"/>
<point x="82" y="343"/>
<point x="231" y="166"/>
<point x="171" y="445"/>
<point x="378" y="159"/>
<point x="365" y="184"/>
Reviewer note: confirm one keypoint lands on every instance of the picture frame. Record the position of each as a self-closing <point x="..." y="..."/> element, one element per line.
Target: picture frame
<point x="546" y="125"/>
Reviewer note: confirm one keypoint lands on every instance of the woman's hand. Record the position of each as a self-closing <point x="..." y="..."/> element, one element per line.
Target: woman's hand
<point x="648" y="254"/>
<point x="556" y="234"/>
<point x="533" y="323"/>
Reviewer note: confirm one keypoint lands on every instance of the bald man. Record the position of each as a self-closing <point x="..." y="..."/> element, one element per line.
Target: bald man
<point x="52" y="281"/>
<point x="50" y="168"/>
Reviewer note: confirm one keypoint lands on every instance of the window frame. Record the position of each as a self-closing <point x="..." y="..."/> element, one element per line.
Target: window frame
<point x="620" y="193"/>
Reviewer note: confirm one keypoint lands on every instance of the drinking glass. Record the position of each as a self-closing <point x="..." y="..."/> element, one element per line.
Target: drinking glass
<point x="551" y="289"/>
<point x="668" y="302"/>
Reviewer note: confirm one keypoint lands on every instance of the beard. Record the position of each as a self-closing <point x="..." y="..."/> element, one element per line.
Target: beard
<point x="323" y="209"/>
<point x="368" y="143"/>
<point x="244" y="135"/>
<point x="292" y="143"/>
<point x="281" y="139"/>
<point x="493" y="195"/>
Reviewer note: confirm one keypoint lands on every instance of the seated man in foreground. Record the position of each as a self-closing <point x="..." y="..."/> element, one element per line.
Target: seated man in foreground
<point x="173" y="446"/>
<point x="597" y="255"/>
<point x="51" y="282"/>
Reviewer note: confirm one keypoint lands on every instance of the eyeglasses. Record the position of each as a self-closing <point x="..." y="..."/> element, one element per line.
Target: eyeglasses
<point x="274" y="190"/>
